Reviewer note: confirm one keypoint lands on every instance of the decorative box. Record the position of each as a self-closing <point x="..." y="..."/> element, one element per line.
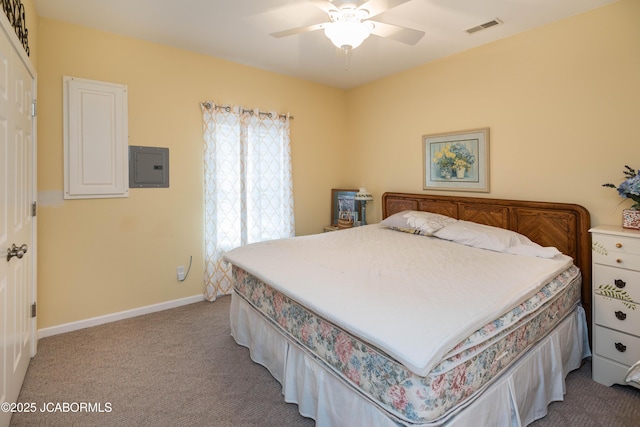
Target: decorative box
<point x="631" y="219"/>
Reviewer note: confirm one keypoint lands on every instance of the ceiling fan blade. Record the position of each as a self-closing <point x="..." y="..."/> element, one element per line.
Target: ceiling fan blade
<point x="298" y="30"/>
<point x="325" y="5"/>
<point x="395" y="32"/>
<point x="376" y="7"/>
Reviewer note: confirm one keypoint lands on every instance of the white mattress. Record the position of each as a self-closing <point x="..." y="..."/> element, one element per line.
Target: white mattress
<point x="519" y="397"/>
<point x="376" y="282"/>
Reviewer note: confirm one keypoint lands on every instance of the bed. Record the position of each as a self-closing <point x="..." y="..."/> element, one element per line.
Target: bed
<point x="450" y="311"/>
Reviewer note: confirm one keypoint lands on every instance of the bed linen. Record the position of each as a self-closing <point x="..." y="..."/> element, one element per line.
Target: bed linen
<point x="375" y="283"/>
<point x="517" y="398"/>
<point x="471" y="366"/>
<point x="409" y="394"/>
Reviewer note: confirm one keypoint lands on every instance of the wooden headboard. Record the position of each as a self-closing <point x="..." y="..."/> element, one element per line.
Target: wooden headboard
<point x="563" y="225"/>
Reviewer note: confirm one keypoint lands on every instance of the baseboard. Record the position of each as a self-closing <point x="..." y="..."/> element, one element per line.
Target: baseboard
<point x="114" y="317"/>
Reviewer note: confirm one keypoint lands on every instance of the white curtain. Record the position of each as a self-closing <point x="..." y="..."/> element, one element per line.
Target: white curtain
<point x="248" y="185"/>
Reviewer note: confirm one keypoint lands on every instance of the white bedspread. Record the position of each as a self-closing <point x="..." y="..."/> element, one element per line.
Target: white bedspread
<point x="412" y="296"/>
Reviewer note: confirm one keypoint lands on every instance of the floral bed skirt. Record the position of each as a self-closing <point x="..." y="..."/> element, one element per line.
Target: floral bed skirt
<point x="403" y="395"/>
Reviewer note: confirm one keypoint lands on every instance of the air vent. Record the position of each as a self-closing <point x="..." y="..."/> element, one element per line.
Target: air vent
<point x="484" y="26"/>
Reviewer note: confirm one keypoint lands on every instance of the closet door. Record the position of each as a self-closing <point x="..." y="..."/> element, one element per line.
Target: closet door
<point x="17" y="223"/>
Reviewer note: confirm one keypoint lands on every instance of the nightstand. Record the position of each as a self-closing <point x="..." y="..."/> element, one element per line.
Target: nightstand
<point x="616" y="302"/>
<point x="330" y="228"/>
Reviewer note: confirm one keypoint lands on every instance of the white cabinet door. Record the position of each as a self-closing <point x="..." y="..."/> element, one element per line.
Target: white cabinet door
<point x="95" y="139"/>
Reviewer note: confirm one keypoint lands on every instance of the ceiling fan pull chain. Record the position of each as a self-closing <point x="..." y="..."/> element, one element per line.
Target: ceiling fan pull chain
<point x="347" y="58"/>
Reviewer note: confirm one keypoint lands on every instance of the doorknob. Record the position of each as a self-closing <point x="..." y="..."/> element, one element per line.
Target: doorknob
<point x="17" y="251"/>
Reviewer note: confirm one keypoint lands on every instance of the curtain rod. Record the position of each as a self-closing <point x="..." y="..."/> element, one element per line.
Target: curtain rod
<point x="209" y="106"/>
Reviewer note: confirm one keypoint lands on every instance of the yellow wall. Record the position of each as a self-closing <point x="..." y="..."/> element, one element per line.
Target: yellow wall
<point x="561" y="103"/>
<point x="108" y="255"/>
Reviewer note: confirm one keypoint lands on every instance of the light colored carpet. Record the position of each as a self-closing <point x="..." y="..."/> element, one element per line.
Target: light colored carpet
<point x="181" y="367"/>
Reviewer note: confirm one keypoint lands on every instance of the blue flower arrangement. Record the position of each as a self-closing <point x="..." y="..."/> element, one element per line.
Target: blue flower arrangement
<point x="629" y="188"/>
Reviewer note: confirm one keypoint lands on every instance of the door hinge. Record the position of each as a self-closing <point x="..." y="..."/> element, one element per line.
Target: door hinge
<point x="34" y="310"/>
<point x="34" y="108"/>
<point x="34" y="208"/>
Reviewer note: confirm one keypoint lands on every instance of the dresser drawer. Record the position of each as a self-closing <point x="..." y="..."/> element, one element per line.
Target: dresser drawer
<point x="614" y="314"/>
<point x="622" y="244"/>
<point x="615" y="345"/>
<point x="616" y="251"/>
<point x="617" y="259"/>
<point x="619" y="280"/>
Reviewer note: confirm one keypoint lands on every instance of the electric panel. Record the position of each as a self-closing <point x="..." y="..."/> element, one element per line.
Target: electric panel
<point x="148" y="167"/>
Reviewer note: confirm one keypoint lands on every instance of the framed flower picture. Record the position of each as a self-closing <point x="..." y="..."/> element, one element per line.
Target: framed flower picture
<point x="457" y="161"/>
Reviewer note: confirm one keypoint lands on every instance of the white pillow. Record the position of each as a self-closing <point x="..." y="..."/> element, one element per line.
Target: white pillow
<point x="493" y="238"/>
<point x="417" y="222"/>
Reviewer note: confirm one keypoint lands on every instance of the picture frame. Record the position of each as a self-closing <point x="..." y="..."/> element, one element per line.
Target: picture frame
<point x="456" y="161"/>
<point x="343" y="201"/>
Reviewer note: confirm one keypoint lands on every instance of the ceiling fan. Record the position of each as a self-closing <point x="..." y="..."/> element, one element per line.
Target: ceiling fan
<point x="350" y="23"/>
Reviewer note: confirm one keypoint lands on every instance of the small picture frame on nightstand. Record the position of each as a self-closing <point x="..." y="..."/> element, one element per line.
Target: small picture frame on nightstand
<point x="344" y="205"/>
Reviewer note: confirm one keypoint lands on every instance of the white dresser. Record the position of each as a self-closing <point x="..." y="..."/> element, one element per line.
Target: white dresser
<point x="616" y="302"/>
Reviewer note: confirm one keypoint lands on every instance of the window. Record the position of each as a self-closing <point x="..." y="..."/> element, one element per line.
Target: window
<point x="248" y="185"/>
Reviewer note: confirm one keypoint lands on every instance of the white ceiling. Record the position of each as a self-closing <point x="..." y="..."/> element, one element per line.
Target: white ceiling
<point x="238" y="30"/>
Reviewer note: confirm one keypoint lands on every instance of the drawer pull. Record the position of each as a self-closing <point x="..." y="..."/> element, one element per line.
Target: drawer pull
<point x="621" y="347"/>
<point x="618" y="245"/>
<point x="621" y="315"/>
<point x="619" y="261"/>
<point x="620" y="283"/>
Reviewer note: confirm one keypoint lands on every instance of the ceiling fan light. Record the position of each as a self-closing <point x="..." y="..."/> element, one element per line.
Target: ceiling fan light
<point x="347" y="35"/>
